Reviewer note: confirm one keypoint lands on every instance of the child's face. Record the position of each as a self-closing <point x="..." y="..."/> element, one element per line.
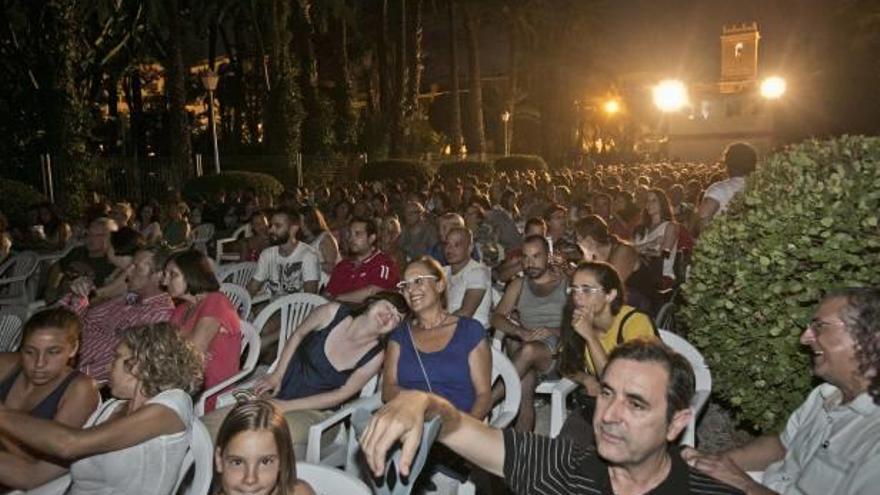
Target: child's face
<point x="250" y="465"/>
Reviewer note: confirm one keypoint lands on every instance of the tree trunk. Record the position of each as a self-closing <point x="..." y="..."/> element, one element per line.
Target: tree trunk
<point x="477" y="133"/>
<point x="179" y="144"/>
<point x="511" y="97"/>
<point x="455" y="136"/>
<point x="283" y="111"/>
<point x="382" y="49"/>
<point x="398" y="111"/>
<point x="317" y="136"/>
<point x="345" y="120"/>
<point x="414" y="59"/>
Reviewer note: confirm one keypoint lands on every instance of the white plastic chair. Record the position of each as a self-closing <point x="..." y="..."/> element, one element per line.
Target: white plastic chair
<point x="242" y="232"/>
<point x="201" y="236"/>
<point x="505" y="411"/>
<point x="293" y="309"/>
<point x="200" y="457"/>
<point x="702" y="374"/>
<point x="325" y="480"/>
<point x="10" y="332"/>
<point x="250" y="344"/>
<point x="19" y="283"/>
<point x="240" y="299"/>
<point x="237" y="273"/>
<point x="335" y="453"/>
<point x="559" y="390"/>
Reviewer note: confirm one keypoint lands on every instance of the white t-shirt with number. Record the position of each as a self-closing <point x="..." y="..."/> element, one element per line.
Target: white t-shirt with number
<point x="474" y="275"/>
<point x="287" y="274"/>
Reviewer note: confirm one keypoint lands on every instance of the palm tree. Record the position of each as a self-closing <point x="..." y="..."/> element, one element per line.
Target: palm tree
<point x="180" y="146"/>
<point x="476" y="131"/>
<point x="455" y="135"/>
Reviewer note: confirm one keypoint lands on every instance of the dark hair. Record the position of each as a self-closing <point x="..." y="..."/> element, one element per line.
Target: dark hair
<point x="58" y="317"/>
<point x="573" y="346"/>
<point x="196" y="270"/>
<point x="538" y="239"/>
<point x="593" y="226"/>
<point x="313" y="220"/>
<point x="155" y="217"/>
<point x="740" y="159"/>
<point x="665" y="211"/>
<point x="395" y="298"/>
<point x="535" y="221"/>
<point x="252" y="414"/>
<point x="55" y="219"/>
<point x="862" y="319"/>
<point x="681" y="386"/>
<point x="126" y="241"/>
<point x="158" y="256"/>
<point x="370" y="225"/>
<point x="553" y="208"/>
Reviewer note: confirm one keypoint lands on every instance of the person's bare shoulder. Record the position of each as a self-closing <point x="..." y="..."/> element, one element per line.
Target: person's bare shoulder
<point x="303" y="488"/>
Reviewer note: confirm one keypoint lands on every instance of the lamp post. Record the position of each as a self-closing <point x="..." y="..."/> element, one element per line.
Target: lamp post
<point x="209" y="81"/>
<point x="505" y="117"/>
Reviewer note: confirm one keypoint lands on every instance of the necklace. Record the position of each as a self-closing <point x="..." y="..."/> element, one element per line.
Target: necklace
<point x="434" y="327"/>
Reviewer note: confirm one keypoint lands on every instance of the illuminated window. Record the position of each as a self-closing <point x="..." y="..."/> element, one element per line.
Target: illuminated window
<point x="738" y="50"/>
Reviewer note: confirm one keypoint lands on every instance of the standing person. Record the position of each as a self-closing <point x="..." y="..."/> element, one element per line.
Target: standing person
<point x="437" y="351"/>
<point x="135" y="444"/>
<point x="288" y="265"/>
<point x="254" y="453"/>
<point x="831" y="443"/>
<point x="470" y="282"/>
<point x="644" y="406"/>
<point x="740" y="160"/>
<point x="204" y="315"/>
<point x="531" y="311"/>
<point x="40" y="380"/>
<point x="367" y="271"/>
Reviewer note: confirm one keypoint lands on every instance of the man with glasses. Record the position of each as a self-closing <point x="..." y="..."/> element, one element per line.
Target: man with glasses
<point x="831" y="443"/>
<point x="530" y="312"/>
<point x="367" y="270"/>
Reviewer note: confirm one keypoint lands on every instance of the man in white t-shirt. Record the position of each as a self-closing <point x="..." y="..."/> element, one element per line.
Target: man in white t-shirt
<point x="469" y="282"/>
<point x="740" y="160"/>
<point x="288" y="265"/>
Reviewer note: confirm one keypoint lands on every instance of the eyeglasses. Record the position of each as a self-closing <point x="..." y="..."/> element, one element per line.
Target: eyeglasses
<point x="417" y="281"/>
<point x="583" y="289"/>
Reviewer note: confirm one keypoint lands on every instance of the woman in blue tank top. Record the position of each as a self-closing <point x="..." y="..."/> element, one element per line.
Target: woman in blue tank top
<point x="40" y="380"/>
<point x="436" y="351"/>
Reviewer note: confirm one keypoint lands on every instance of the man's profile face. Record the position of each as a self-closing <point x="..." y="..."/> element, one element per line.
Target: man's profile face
<point x="359" y="241"/>
<point x="630" y="420"/>
<point x="832" y="346"/>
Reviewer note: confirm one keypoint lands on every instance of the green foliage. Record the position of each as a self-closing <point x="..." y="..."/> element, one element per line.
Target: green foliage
<point x="209" y="185"/>
<point x="15" y="200"/>
<point x="520" y="163"/>
<point x="807" y="222"/>
<point x="483" y="170"/>
<point x="395" y="170"/>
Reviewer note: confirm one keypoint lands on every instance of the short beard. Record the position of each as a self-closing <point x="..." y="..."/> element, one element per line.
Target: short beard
<point x="279" y="241"/>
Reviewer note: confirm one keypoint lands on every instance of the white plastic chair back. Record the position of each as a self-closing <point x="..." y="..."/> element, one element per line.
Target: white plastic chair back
<point x="10" y="332"/>
<point x="293" y="309"/>
<point x="201" y="236"/>
<point x="505" y="411"/>
<point x="703" y="379"/>
<point x="19" y="285"/>
<point x="237" y="273"/>
<point x="325" y="480"/>
<point x="200" y="456"/>
<point x="559" y="390"/>
<point x="250" y="348"/>
<point x="242" y="232"/>
<point x="240" y="299"/>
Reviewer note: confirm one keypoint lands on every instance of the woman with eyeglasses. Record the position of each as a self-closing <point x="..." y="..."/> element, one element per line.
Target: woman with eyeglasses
<point x="436" y="351"/>
<point x="597" y="321"/>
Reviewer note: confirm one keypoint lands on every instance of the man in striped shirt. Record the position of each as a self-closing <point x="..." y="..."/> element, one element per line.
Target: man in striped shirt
<point x="643" y="407"/>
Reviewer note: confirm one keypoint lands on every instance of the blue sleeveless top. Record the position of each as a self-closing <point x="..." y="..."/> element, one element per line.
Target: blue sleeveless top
<point x="310" y="372"/>
<point x="47" y="407"/>
<point x="447" y="369"/>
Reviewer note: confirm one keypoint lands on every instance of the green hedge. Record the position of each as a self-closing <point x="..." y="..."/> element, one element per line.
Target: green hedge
<point x="520" y="163"/>
<point x="16" y="198"/>
<point x="483" y="170"/>
<point x="807" y="223"/>
<point x="208" y="185"/>
<point x="395" y="170"/>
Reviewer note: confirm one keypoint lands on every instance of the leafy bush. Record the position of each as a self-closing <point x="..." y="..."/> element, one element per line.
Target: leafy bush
<point x="520" y="163"/>
<point x="395" y="170"/>
<point x="807" y="222"/>
<point x="483" y="170"/>
<point x="16" y="198"/>
<point x="209" y="185"/>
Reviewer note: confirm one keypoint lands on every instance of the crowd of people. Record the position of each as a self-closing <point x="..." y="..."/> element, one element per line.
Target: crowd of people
<point x="566" y="272"/>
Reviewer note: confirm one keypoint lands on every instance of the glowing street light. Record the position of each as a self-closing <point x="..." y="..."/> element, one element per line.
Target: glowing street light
<point x="670" y="95"/>
<point x="611" y="107"/>
<point x="773" y="87"/>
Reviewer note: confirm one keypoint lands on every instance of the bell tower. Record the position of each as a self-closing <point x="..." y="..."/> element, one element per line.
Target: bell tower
<point x="739" y="56"/>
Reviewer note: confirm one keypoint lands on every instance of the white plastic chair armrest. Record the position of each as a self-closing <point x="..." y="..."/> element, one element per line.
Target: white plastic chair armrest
<point x="208" y="392"/>
<point x="12" y="280"/>
<point x="313" y="450"/>
<point x="701" y="397"/>
<point x="504" y="418"/>
<point x="228" y="398"/>
<point x="261" y="297"/>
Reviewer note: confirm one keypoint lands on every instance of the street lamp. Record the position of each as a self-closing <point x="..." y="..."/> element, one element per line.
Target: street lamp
<point x="209" y="81"/>
<point x="670" y="95"/>
<point x="611" y="107"/>
<point x="773" y="88"/>
<point x="505" y="117"/>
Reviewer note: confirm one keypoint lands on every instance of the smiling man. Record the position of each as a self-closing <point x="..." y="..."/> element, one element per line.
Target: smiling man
<point x="643" y="408"/>
<point x="831" y="444"/>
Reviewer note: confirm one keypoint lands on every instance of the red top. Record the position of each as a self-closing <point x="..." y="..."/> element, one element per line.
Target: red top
<point x="222" y="359"/>
<point x="377" y="269"/>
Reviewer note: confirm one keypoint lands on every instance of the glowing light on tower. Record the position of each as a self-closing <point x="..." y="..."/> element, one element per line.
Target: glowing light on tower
<point x="611" y="107"/>
<point x="670" y="95"/>
<point x="773" y="87"/>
